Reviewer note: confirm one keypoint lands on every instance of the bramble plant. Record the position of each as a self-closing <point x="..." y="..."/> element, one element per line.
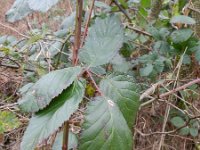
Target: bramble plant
<point x="110" y="114"/>
<point x="99" y="67"/>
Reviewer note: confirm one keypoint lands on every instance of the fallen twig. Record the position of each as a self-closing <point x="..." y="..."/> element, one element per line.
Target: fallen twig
<point x="139" y="31"/>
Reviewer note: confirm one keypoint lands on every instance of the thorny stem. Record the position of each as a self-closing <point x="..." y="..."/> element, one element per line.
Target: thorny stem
<point x="122" y="10"/>
<point x="77" y="43"/>
<point x="65" y="136"/>
<point x="84" y="36"/>
<point x="87" y="23"/>
<point x="62" y="48"/>
<point x="94" y="83"/>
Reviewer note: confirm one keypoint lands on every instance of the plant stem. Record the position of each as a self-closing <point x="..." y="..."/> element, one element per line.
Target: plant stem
<point x="65" y="136"/>
<point x="122" y="10"/>
<point x="94" y="83"/>
<point x="77" y="42"/>
<point x="87" y="23"/>
<point x="62" y="48"/>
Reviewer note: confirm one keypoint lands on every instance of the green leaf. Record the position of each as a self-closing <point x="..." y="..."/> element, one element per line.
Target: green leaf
<point x="18" y="11"/>
<point x="42" y="6"/>
<point x="45" y="89"/>
<point x="159" y="65"/>
<point x="194" y="132"/>
<point x="180" y="36"/>
<point x="177" y="122"/>
<point x="8" y="121"/>
<point x="98" y="70"/>
<point x="124" y="3"/>
<point x="103" y="42"/>
<point x="161" y="46"/>
<point x="154" y="32"/>
<point x="47" y="121"/>
<point x="120" y="64"/>
<point x="102" y="5"/>
<point x="73" y="141"/>
<point x="146" y="70"/>
<point x="186" y="59"/>
<point x="123" y="91"/>
<point x="25" y="88"/>
<point x="197" y="55"/>
<point x="55" y="48"/>
<point x="182" y="19"/>
<point x="184" y="131"/>
<point x="34" y="38"/>
<point x="66" y="26"/>
<point x="145" y="3"/>
<point x="105" y="127"/>
<point x="68" y="22"/>
<point x="143" y="38"/>
<point x="194" y="123"/>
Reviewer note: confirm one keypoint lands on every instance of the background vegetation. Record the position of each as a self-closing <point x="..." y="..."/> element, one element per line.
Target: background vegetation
<point x="113" y="74"/>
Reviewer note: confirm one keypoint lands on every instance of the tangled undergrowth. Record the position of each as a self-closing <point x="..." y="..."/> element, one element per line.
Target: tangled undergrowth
<point x="160" y="50"/>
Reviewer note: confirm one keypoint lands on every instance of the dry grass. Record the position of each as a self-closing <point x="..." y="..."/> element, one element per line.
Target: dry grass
<point x="150" y="120"/>
<point x="35" y="20"/>
<point x="20" y="26"/>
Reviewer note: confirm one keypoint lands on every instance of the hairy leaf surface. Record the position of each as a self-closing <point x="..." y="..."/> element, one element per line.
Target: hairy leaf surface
<point x="103" y="42"/>
<point x="122" y="90"/>
<point x="182" y="19"/>
<point x="19" y="10"/>
<point x="42" y="5"/>
<point x="47" y="121"/>
<point x="45" y="89"/>
<point x="180" y="36"/>
<point x="105" y="127"/>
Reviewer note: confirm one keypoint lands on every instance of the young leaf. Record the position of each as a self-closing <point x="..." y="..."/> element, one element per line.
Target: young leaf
<point x="184" y="131"/>
<point x="145" y="3"/>
<point x="186" y="59"/>
<point x="43" y="6"/>
<point x="123" y="91"/>
<point x="67" y="25"/>
<point x="177" y="122"/>
<point x="18" y="11"/>
<point x="8" y="121"/>
<point x="120" y="64"/>
<point x="197" y="55"/>
<point x="48" y="87"/>
<point x="159" y="65"/>
<point x="194" y="132"/>
<point x="146" y="70"/>
<point x="103" y="42"/>
<point x="180" y="36"/>
<point x="103" y="6"/>
<point x="105" y="127"/>
<point x="182" y="19"/>
<point x="47" y="121"/>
